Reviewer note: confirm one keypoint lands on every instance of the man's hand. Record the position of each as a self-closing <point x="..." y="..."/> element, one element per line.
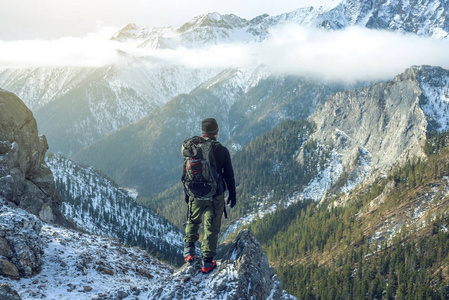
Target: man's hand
<point x="233" y="201"/>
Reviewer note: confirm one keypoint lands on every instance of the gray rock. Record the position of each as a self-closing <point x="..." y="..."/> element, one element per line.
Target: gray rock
<point x="8" y="269"/>
<point x="25" y="179"/>
<point x="19" y="231"/>
<point x="244" y="273"/>
<point x="8" y="293"/>
<point x="5" y="248"/>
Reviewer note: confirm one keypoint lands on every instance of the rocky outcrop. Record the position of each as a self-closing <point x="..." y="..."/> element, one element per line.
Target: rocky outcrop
<point x="243" y="273"/>
<point x="21" y="247"/>
<point x="25" y="179"/>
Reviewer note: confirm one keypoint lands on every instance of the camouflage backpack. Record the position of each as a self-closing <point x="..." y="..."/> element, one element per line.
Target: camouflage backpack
<point x="200" y="175"/>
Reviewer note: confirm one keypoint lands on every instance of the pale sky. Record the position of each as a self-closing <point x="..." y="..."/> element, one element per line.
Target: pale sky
<point x="53" y="19"/>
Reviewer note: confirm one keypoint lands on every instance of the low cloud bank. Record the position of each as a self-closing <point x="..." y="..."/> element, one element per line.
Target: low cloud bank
<point x="351" y="54"/>
<point x="346" y="55"/>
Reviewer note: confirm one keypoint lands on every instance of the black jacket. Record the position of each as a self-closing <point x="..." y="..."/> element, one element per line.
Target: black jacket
<point x="224" y="167"/>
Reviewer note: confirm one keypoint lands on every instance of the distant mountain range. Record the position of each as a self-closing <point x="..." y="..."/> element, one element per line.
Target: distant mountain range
<point x="214" y="28"/>
<point x="77" y="106"/>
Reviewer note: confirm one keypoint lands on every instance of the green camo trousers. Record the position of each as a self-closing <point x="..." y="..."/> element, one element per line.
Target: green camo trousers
<point x="212" y="211"/>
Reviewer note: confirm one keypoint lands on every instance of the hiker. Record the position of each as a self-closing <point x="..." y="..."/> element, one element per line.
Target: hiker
<point x="206" y="198"/>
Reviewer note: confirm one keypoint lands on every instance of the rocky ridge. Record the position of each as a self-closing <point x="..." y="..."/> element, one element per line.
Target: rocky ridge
<point x="370" y="130"/>
<point x="243" y="273"/>
<point x="76" y="265"/>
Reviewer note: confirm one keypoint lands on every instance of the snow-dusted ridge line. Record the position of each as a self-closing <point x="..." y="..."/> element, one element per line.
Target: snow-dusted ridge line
<point x="98" y="206"/>
<point x="214" y="28"/>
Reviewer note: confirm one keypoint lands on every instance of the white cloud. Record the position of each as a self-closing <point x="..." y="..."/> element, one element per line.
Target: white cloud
<point x="351" y="54"/>
<point x="93" y="50"/>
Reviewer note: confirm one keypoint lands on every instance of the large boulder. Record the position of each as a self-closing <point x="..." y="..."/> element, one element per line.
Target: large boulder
<point x="25" y="179"/>
<point x="243" y="273"/>
<point x="21" y="247"/>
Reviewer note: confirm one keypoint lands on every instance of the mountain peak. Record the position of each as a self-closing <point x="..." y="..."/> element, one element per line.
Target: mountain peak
<point x="214" y="16"/>
<point x="130" y="32"/>
<point x="213" y="19"/>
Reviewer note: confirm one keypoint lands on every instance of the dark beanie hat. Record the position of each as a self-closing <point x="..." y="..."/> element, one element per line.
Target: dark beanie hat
<point x="209" y="126"/>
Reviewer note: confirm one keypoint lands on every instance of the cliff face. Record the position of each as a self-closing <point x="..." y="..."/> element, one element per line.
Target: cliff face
<point x="384" y="124"/>
<point x="25" y="179"/>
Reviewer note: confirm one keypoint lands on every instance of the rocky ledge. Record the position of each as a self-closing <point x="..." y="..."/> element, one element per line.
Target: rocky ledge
<point x="243" y="273"/>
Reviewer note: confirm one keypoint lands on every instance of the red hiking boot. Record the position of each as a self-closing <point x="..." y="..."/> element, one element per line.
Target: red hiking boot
<point x="189" y="258"/>
<point x="208" y="266"/>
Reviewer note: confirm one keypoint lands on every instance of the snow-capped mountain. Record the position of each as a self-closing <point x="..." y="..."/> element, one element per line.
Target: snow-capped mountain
<point x="96" y="205"/>
<point x="375" y="128"/>
<point x="424" y="18"/>
<point x="369" y="131"/>
<point x="39" y="86"/>
<point x="95" y="101"/>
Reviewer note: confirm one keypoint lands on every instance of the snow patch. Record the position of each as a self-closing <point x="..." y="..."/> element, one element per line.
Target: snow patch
<point x="436" y="107"/>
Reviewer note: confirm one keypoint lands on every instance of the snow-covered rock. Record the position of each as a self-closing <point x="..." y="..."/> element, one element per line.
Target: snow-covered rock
<point x="82" y="266"/>
<point x="243" y="273"/>
<point x="21" y="247"/>
<point x="76" y="265"/>
<point x="8" y="293"/>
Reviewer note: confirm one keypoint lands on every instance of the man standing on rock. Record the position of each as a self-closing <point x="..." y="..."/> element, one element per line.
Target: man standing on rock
<point x="207" y="174"/>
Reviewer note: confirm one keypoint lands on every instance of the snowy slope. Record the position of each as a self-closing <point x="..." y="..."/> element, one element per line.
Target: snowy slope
<point x="77" y="265"/>
<point x="39" y="86"/>
<point x="98" y="206"/>
<point x="153" y="82"/>
<point x="82" y="266"/>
